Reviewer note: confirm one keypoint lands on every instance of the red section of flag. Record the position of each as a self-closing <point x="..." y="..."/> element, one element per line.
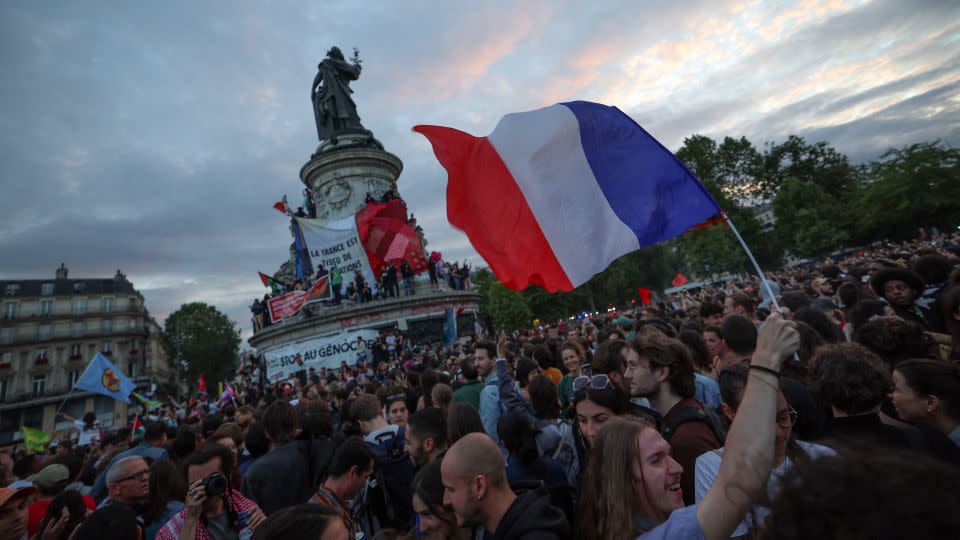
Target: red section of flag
<point x="387" y="236"/>
<point x="202" y="383"/>
<point x="679" y="280"/>
<point x="265" y="279"/>
<point x="280" y="207"/>
<point x="707" y="223"/>
<point x="644" y="295"/>
<point x="485" y="202"/>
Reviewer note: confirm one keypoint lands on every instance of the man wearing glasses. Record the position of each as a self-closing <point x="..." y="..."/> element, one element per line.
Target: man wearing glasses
<point x="787" y="449"/>
<point x="154" y="438"/>
<point x="128" y="482"/>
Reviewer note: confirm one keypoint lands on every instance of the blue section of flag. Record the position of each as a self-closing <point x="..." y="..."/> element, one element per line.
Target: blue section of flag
<point x="450" y="327"/>
<point x="304" y="266"/>
<point x="648" y="188"/>
<point x="102" y="377"/>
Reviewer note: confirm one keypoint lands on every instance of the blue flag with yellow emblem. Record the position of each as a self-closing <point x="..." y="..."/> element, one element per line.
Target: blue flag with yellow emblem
<point x="102" y="377"/>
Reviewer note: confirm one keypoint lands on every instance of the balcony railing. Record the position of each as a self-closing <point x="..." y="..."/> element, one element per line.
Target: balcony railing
<point x="36" y="315"/>
<point x="67" y="335"/>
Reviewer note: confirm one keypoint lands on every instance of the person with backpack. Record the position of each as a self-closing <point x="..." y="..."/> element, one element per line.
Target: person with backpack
<point x="554" y="436"/>
<point x="661" y="370"/>
<point x="385" y="501"/>
<point x="351" y="466"/>
<point x="290" y="473"/>
<point x="787" y="451"/>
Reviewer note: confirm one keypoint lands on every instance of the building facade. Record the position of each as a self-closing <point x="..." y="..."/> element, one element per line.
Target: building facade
<point x="50" y="330"/>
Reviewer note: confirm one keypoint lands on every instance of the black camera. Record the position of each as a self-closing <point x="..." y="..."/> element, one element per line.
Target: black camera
<point x="216" y="484"/>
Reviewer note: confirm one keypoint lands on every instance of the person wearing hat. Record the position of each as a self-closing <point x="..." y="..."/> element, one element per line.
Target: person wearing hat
<point x="13" y="512"/>
<point x="50" y="482"/>
<point x="823" y="290"/>
<point x="900" y="288"/>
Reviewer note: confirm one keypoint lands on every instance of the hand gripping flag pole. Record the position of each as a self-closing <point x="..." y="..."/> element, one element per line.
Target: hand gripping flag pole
<point x="756" y="266"/>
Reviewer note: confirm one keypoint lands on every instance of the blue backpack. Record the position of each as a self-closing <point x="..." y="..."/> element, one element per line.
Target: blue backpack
<point x="385" y="502"/>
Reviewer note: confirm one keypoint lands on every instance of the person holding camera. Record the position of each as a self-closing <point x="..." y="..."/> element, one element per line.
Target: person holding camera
<point x="214" y="510"/>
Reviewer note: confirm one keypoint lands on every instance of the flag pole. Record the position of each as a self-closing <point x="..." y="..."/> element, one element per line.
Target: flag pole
<point x="70" y="393"/>
<point x="756" y="266"/>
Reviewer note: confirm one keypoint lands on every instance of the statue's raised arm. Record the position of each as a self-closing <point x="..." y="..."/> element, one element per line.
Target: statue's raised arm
<point x="333" y="108"/>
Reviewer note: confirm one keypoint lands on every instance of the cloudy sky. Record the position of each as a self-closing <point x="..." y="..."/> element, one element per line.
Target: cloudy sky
<point x="155" y="137"/>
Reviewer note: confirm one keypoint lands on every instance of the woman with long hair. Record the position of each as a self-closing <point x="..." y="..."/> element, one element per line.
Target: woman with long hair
<point x="650" y="505"/>
<point x="462" y="419"/>
<point x="434" y="520"/>
<point x="70" y="501"/>
<point x="927" y="392"/>
<point x="167" y="492"/>
<point x="574" y="358"/>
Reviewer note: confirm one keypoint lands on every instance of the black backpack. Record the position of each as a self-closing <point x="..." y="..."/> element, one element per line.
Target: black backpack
<point x="385" y="501"/>
<point x="716" y="421"/>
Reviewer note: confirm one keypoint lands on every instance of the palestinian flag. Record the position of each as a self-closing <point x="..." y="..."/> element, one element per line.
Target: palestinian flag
<point x="137" y="430"/>
<point x="268" y="281"/>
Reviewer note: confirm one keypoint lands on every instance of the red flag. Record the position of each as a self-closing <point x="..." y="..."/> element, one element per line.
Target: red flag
<point x="644" y="295"/>
<point x="202" y="383"/>
<point x="280" y="207"/>
<point x="679" y="280"/>
<point x="387" y="236"/>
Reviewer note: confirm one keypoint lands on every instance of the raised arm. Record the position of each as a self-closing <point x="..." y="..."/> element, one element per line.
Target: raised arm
<point x="748" y="455"/>
<point x="512" y="400"/>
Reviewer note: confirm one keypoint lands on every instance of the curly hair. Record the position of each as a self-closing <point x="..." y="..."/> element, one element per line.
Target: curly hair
<point x="905" y="495"/>
<point x="849" y="377"/>
<point x="893" y="339"/>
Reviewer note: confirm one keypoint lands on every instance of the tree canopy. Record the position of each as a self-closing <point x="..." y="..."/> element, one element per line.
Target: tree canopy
<point x="203" y="340"/>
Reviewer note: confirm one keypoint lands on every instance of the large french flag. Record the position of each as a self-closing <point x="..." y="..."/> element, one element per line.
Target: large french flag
<point x="553" y="196"/>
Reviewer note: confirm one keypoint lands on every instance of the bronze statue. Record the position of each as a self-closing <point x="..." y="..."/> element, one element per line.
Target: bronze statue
<point x="333" y="108"/>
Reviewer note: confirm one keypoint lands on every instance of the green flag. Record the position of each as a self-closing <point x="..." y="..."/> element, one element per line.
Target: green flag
<point x="268" y="281"/>
<point x="34" y="439"/>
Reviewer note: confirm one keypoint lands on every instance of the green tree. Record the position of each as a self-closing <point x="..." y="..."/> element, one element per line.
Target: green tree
<point x="818" y="163"/>
<point x="203" y="340"/>
<point x="730" y="172"/>
<point x="917" y="185"/>
<point x="809" y="221"/>
<point x="508" y="308"/>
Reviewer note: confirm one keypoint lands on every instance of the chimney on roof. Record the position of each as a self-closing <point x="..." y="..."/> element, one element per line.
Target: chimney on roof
<point x="62" y="271"/>
<point x="120" y="276"/>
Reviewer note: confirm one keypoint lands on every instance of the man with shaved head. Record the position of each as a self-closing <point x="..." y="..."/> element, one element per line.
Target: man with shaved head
<point x="475" y="486"/>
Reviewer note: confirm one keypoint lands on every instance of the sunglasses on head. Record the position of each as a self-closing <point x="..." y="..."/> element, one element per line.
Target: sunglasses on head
<point x="597" y="382"/>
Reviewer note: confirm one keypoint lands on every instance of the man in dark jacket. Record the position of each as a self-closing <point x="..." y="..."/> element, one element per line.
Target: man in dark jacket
<point x="475" y="482"/>
<point x="291" y="472"/>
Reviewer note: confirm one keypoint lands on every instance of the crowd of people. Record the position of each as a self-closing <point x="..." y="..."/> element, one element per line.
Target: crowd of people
<point x="711" y="414"/>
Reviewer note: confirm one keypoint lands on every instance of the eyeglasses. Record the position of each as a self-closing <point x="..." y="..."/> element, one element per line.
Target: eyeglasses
<point x="597" y="382"/>
<point x="137" y="475"/>
<point x="787" y="418"/>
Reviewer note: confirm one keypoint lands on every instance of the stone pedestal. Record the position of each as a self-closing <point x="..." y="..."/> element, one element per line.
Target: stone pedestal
<point x="342" y="174"/>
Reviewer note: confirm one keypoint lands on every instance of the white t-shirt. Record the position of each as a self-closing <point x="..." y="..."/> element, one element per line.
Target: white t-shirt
<point x="708" y="466"/>
<point x="88" y="436"/>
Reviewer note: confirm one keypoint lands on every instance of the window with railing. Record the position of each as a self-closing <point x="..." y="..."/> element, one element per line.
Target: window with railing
<point x="106" y="348"/>
<point x="9" y="310"/>
<point x="12" y="289"/>
<point x="6" y="360"/>
<point x="75" y="350"/>
<point x="3" y="389"/>
<point x="79" y="306"/>
<point x="46" y="307"/>
<point x="6" y="336"/>
<point x="106" y="305"/>
<point x="79" y="328"/>
<point x="106" y="325"/>
<point x="79" y="287"/>
<point x="43" y="332"/>
<point x="39" y="385"/>
<point x="46" y="289"/>
<point x="73" y="377"/>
